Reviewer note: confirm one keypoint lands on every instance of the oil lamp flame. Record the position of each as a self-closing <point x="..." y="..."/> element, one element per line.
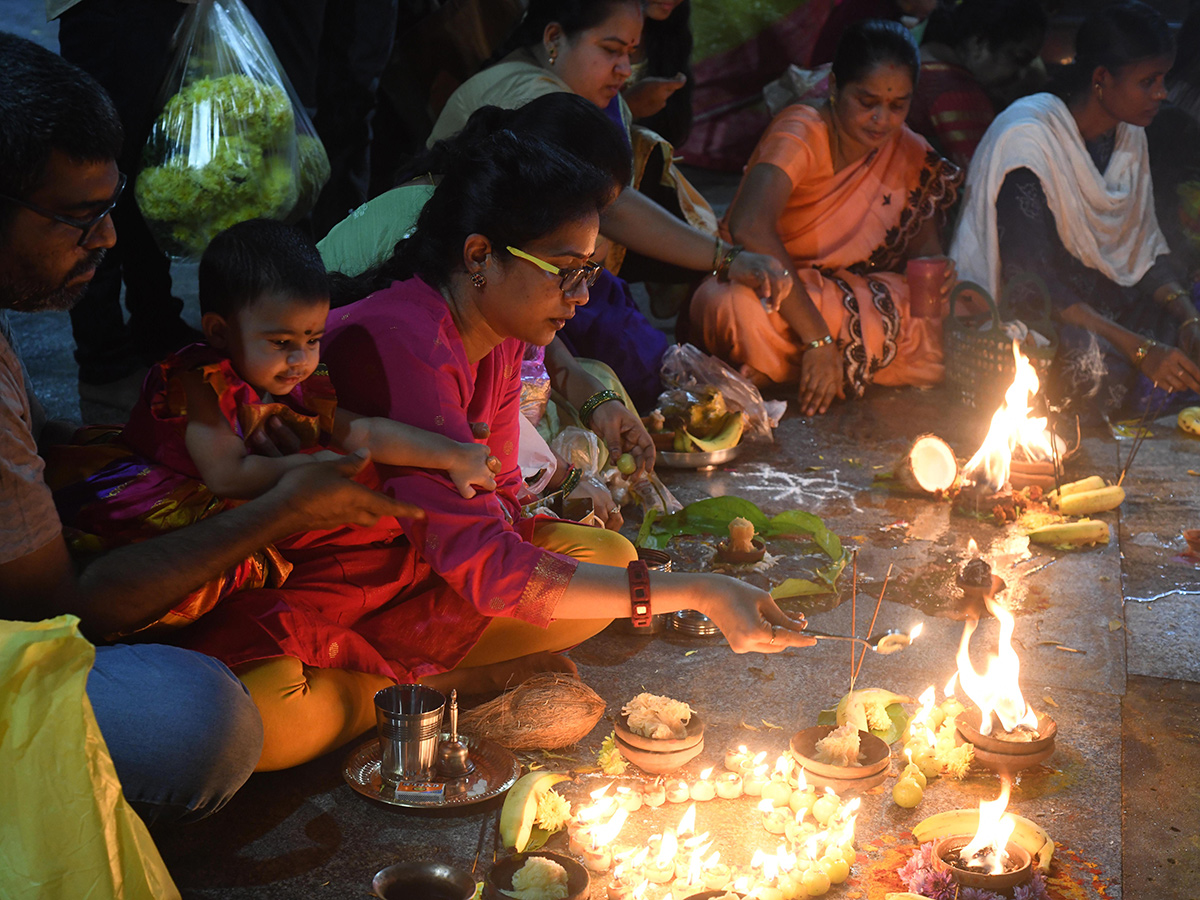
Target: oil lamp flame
<point x="687" y="824"/>
<point x="667" y="849"/>
<point x="987" y="848"/>
<point x="1012" y="427"/>
<point x="997" y="689"/>
<point x="606" y="833"/>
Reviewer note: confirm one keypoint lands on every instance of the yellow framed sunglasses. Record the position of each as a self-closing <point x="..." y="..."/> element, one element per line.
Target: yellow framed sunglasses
<point x="572" y="277"/>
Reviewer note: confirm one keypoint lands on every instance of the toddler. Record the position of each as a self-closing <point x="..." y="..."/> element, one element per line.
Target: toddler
<point x="183" y="456"/>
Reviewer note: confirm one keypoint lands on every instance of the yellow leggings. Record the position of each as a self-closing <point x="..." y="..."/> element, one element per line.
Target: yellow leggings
<point x="307" y="712"/>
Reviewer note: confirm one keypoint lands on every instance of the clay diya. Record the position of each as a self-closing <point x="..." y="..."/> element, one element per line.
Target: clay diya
<point x="1018" y="866"/>
<point x="873" y="753"/>
<point x="1005" y="754"/>
<point x="660" y="756"/>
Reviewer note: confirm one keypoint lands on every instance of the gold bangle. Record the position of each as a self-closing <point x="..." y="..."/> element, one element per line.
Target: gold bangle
<point x="1140" y="356"/>
<point x="718" y="252"/>
<point x="1192" y="321"/>
<point x="1170" y="298"/>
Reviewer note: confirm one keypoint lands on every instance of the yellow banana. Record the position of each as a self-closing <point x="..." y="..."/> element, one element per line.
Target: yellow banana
<point x="1084" y="503"/>
<point x="1027" y="834"/>
<point x="1085" y="531"/>
<point x="728" y="436"/>
<point x="1189" y="419"/>
<point x="1091" y="483"/>
<point x="520" y="807"/>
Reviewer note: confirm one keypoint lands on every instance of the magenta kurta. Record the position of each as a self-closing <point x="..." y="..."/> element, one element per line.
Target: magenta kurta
<point x="407" y="604"/>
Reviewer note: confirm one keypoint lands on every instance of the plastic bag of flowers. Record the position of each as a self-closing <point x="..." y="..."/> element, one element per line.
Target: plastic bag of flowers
<point x="231" y="141"/>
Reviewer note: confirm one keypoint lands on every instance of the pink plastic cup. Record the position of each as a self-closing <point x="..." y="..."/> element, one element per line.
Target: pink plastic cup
<point x="925" y="276"/>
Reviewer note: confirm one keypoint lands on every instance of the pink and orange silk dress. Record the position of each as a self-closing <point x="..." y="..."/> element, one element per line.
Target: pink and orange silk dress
<point x="848" y="235"/>
<point x="412" y="603"/>
<point x="120" y="487"/>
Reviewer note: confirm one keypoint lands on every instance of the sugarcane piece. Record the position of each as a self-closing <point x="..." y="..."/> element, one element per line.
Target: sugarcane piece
<point x="1088" y="502"/>
<point x="1073" y="534"/>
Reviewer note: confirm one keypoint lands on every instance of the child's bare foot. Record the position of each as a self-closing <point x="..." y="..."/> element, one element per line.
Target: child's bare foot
<point x="502" y="675"/>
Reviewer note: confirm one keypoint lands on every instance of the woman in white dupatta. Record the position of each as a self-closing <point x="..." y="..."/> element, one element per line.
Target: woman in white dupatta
<point x="1060" y="187"/>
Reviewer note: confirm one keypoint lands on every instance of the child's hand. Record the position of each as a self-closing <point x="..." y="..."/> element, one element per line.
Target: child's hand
<point x="473" y="466"/>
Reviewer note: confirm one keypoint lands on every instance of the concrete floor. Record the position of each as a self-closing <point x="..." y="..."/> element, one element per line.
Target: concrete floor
<point x="1120" y="794"/>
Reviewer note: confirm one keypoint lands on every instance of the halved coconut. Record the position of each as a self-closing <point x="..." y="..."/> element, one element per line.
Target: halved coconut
<point x="928" y="466"/>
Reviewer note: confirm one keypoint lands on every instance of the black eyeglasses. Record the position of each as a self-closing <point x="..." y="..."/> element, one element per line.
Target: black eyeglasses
<point x="84" y="225"/>
<point x="572" y="277"/>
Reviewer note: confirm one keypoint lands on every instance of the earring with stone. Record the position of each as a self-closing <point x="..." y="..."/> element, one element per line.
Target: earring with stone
<point x="478" y="280"/>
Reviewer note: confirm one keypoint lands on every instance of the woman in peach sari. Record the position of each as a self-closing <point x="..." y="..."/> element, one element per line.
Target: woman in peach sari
<point x="843" y="195"/>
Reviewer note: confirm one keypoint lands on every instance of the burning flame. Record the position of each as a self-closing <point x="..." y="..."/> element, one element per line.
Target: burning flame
<point x="706" y="774"/>
<point x="667" y="849"/>
<point x="687" y="824"/>
<point x="920" y="721"/>
<point x="987" y="848"/>
<point x="766" y="806"/>
<point x="997" y="689"/>
<point x="1012" y="428"/>
<point x="916" y="632"/>
<point x="606" y="833"/>
<point x="801" y="781"/>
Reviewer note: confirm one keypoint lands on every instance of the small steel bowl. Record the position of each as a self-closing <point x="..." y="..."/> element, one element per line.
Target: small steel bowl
<point x="694" y="623"/>
<point x="434" y="880"/>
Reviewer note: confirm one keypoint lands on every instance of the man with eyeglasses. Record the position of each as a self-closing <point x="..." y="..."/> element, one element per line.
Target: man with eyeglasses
<point x="183" y="733"/>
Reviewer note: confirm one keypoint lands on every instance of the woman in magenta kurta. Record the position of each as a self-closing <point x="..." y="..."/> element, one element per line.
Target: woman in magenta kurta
<point x="472" y="596"/>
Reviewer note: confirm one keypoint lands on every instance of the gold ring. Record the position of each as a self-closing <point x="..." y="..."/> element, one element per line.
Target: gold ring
<point x="772" y="635"/>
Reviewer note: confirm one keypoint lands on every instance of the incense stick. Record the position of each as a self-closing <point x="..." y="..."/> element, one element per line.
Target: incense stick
<point x="854" y="617"/>
<point x="483" y="829"/>
<point x="870" y="630"/>
<point x="1140" y="436"/>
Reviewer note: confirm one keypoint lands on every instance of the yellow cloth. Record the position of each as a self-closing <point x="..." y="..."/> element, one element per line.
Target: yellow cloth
<point x="308" y="712"/>
<point x="67" y="831"/>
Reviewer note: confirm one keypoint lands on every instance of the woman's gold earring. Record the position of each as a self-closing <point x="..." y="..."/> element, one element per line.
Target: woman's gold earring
<point x="1099" y="90"/>
<point x="478" y="280"/>
<point x="553" y="55"/>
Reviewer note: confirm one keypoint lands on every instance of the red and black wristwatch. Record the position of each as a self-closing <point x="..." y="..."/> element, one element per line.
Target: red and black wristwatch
<point x="639" y="593"/>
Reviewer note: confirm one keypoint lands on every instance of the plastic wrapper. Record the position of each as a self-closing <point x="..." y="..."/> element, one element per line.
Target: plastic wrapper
<point x="535" y="384"/>
<point x="579" y="447"/>
<point x="68" y="831"/>
<point x="231" y="141"/>
<point x="686" y="367"/>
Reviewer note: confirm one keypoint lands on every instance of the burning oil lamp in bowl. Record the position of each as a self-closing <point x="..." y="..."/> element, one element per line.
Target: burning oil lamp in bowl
<point x="987" y="859"/>
<point x="1008" y="734"/>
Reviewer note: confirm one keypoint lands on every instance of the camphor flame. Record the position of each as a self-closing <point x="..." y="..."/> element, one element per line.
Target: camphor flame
<point x="998" y="689"/>
<point x="987" y="848"/>
<point x="1012" y="427"/>
<point x="667" y="849"/>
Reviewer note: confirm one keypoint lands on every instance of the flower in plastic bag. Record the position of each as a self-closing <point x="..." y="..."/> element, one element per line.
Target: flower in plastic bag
<point x="226" y="106"/>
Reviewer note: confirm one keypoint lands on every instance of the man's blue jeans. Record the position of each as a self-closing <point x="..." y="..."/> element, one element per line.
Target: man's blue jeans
<point x="183" y="732"/>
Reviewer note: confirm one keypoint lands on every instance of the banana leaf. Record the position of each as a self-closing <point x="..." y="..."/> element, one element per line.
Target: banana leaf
<point x="713" y="515"/>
